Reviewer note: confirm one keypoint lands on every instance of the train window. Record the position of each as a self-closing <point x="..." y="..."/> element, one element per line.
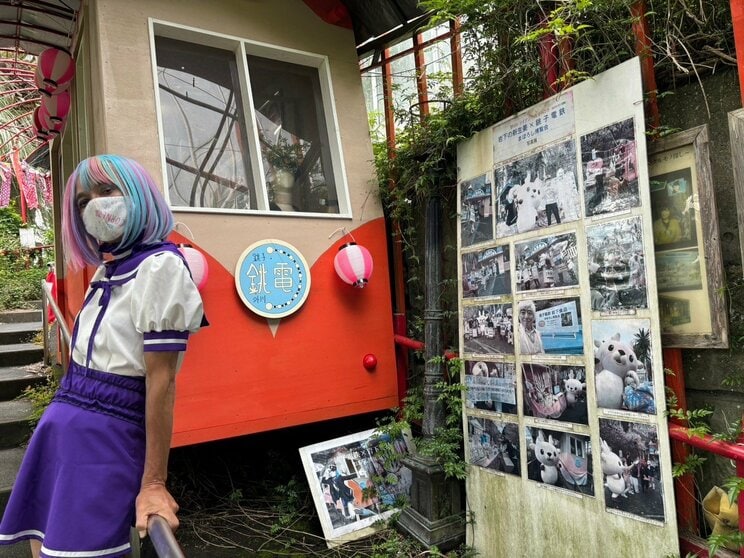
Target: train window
<point x="246" y="127"/>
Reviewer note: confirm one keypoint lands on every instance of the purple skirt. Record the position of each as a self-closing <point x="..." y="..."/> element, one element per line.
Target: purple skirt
<point x="82" y="470"/>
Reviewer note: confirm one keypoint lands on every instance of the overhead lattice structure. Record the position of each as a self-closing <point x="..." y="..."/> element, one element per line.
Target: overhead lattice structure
<point x="28" y="27"/>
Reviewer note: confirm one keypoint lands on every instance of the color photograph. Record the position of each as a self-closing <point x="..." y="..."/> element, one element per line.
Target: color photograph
<point x="493" y="444"/>
<point x="608" y="159"/>
<point x="488" y="329"/>
<point x="476" y="211"/>
<point x="631" y="471"/>
<point x="486" y="273"/>
<point x="560" y="459"/>
<point x="678" y="270"/>
<point x="546" y="263"/>
<point x="617" y="268"/>
<point x="673" y="312"/>
<point x="355" y="480"/>
<point x="555" y="392"/>
<point x="491" y="386"/>
<point x="537" y="191"/>
<point x="673" y="210"/>
<point x="550" y="327"/>
<point x="623" y="365"/>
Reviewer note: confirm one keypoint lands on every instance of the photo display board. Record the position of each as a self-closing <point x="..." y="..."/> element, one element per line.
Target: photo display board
<point x="566" y="435"/>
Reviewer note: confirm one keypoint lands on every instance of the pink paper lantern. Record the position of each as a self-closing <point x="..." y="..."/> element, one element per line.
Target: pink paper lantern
<point x="57" y="106"/>
<point x="52" y="126"/>
<point x="54" y="71"/>
<point x="197" y="263"/>
<point x="353" y="264"/>
<point x="40" y="130"/>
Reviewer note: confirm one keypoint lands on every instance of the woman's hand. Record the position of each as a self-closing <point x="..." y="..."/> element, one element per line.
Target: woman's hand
<point x="154" y="499"/>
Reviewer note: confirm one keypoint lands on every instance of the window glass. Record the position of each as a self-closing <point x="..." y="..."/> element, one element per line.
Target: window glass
<point x="204" y="133"/>
<point x="292" y="135"/>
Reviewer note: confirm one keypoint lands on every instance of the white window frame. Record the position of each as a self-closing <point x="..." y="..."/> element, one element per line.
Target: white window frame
<point x="242" y="47"/>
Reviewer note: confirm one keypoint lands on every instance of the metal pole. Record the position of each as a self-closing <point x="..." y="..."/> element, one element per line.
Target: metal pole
<point x="433" y="371"/>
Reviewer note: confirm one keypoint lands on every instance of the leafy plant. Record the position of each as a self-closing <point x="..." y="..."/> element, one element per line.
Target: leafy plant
<point x="41" y="396"/>
<point x="284" y="155"/>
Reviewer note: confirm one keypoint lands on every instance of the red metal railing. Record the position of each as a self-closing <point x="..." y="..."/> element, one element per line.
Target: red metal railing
<point x="718" y="447"/>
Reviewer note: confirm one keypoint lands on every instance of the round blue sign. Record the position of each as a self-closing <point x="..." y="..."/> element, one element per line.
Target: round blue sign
<point x="272" y="278"/>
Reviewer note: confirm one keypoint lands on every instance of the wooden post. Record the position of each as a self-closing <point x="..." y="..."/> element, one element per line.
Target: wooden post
<point x="458" y="81"/>
<point x="643" y="50"/>
<point x="398" y="276"/>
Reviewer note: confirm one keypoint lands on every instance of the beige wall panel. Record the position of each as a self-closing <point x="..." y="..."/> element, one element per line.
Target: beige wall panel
<point x="127" y="94"/>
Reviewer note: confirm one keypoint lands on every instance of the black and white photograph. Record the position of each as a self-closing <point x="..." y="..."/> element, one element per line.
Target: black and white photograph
<point x="560" y="459"/>
<point x="355" y="480"/>
<point x="486" y="273"/>
<point x="550" y="326"/>
<point x="488" y="329"/>
<point x="617" y="265"/>
<point x="623" y="365"/>
<point x="678" y="270"/>
<point x="555" y="392"/>
<point x="491" y="386"/>
<point x="608" y="160"/>
<point x="631" y="470"/>
<point x="476" y="211"/>
<point x="537" y="191"/>
<point x="494" y="444"/>
<point x="545" y="263"/>
<point x="673" y="210"/>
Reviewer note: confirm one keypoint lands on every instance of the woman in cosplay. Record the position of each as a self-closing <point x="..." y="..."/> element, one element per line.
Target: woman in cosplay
<point x="97" y="461"/>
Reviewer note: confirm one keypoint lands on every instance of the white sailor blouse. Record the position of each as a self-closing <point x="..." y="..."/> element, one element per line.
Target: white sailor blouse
<point x="143" y="300"/>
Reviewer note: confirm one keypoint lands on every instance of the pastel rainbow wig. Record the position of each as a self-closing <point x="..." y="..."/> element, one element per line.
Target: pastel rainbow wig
<point x="149" y="219"/>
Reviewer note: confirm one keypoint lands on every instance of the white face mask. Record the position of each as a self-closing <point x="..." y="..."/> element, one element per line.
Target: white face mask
<point x="105" y="218"/>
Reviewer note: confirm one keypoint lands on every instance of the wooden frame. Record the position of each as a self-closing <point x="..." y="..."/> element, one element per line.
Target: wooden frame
<point x="692" y="310"/>
<point x="736" y="137"/>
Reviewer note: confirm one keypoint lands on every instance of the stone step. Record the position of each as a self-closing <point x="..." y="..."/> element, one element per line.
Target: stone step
<point x="15" y="379"/>
<point x="18" y="332"/>
<point x="14" y="426"/>
<point x="16" y="316"/>
<point x="10" y="461"/>
<point x="18" y="354"/>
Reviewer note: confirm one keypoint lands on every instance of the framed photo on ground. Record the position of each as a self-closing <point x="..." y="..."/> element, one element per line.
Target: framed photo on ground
<point x="689" y="270"/>
<point x="355" y="481"/>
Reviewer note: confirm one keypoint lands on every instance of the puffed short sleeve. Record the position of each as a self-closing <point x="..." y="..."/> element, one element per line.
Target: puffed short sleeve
<point x="166" y="305"/>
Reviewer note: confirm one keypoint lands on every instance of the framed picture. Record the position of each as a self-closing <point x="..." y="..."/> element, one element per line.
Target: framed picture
<point x="608" y="160"/>
<point x="547" y="263"/>
<point x="689" y="269"/>
<point x="617" y="268"/>
<point x="560" y="459"/>
<point x="354" y="481"/>
<point x="486" y="273"/>
<point x="494" y="445"/>
<point x="631" y="470"/>
<point x="491" y="386"/>
<point x="537" y="191"/>
<point x="624" y="366"/>
<point x="549" y="327"/>
<point x="488" y="329"/>
<point x="555" y="392"/>
<point x="476" y="210"/>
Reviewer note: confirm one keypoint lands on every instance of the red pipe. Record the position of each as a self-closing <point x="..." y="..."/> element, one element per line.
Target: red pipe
<point x="737" y="18"/>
